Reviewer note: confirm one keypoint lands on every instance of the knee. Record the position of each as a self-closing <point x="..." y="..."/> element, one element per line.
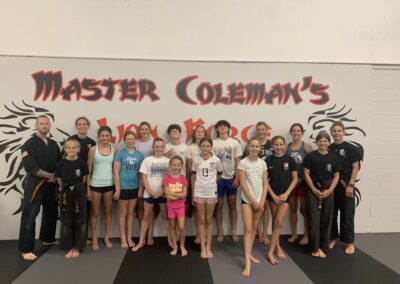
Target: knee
<point x="220" y="205"/>
<point x="248" y="231"/>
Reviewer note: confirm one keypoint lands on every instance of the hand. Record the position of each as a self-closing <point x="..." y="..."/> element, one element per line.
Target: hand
<point x="88" y="195"/>
<point x="283" y="197"/>
<point x="276" y="199"/>
<point x="170" y="153"/>
<point x="140" y="193"/>
<point x="326" y="193"/>
<point x="349" y="192"/>
<point x="235" y="183"/>
<point x="317" y="193"/>
<point x="116" y="195"/>
<point x="51" y="178"/>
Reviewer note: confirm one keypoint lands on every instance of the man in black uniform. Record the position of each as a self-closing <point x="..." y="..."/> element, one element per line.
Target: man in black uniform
<point x="39" y="158"/>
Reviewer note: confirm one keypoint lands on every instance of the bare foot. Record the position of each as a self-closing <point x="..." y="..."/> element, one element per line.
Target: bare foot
<point x="254" y="259"/>
<point x="183" y="251"/>
<point x="210" y="254"/>
<point x="29" y="256"/>
<point x="332" y="244"/>
<point x="52" y="243"/>
<point x="68" y="255"/>
<point x="203" y="254"/>
<point x="235" y="238"/>
<point x="197" y="240"/>
<point x="138" y="246"/>
<point x="292" y="239"/>
<point x="304" y="241"/>
<point x="107" y="243"/>
<point x="75" y="253"/>
<point x="124" y="244"/>
<point x="315" y="254"/>
<point x="95" y="246"/>
<point x="267" y="241"/>
<point x="174" y="251"/>
<point x="88" y="242"/>
<point x="272" y="259"/>
<point x="350" y="249"/>
<point x="220" y="238"/>
<point x="131" y="244"/>
<point x="150" y="241"/>
<point x="280" y="254"/>
<point x="246" y="272"/>
<point x="321" y="253"/>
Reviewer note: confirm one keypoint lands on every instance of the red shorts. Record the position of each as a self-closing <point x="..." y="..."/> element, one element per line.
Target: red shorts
<point x="299" y="190"/>
<point x="176" y="209"/>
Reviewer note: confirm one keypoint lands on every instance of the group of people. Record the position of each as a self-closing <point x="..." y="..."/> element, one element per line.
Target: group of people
<point x="273" y="177"/>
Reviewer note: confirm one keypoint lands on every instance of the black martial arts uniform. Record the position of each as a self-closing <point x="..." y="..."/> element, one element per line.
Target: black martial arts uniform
<point x="347" y="155"/>
<point x="72" y="203"/>
<point x="322" y="169"/>
<point x="37" y="155"/>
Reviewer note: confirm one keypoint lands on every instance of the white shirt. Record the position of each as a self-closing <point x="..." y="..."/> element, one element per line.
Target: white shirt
<point x="179" y="150"/>
<point x="206" y="176"/>
<point x="254" y="171"/>
<point x="155" y="169"/>
<point x="227" y="150"/>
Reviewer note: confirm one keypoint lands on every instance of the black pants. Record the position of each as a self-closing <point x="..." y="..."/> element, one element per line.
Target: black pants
<point x="73" y="217"/>
<point x="347" y="208"/>
<point x="320" y="221"/>
<point x="46" y="196"/>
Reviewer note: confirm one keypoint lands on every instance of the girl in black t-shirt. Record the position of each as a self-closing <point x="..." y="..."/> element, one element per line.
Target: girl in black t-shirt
<point x="282" y="170"/>
<point x="71" y="173"/>
<point x="321" y="173"/>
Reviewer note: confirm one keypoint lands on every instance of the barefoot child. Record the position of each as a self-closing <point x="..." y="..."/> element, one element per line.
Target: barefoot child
<point x="321" y="172"/>
<point x="126" y="176"/>
<point x="206" y="168"/>
<point x="254" y="185"/>
<point x="282" y="170"/>
<point x="175" y="186"/>
<point x="153" y="170"/>
<point x="71" y="173"/>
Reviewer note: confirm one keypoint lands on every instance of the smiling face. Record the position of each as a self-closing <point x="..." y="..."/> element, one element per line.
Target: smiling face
<point x="205" y="148"/>
<point x="262" y="132"/>
<point x="144" y="131"/>
<point x="176" y="166"/>
<point x="130" y="140"/>
<point x="323" y="144"/>
<point x="72" y="148"/>
<point x="254" y="148"/>
<point x="279" y="146"/>
<point x="82" y="126"/>
<point x="158" y="148"/>
<point x="296" y="132"/>
<point x="337" y="133"/>
<point x="199" y="133"/>
<point x="104" y="137"/>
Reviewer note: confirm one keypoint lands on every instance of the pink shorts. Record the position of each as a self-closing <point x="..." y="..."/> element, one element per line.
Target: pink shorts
<point x="175" y="210"/>
<point x="205" y="200"/>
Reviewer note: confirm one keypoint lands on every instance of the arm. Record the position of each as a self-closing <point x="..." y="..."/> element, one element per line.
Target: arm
<point x="265" y="188"/>
<point x="236" y="180"/>
<point x="284" y="197"/>
<point x="310" y="183"/>
<point x="148" y="188"/>
<point x="90" y="168"/>
<point x="117" y="180"/>
<point x="354" y="172"/>
<point x="183" y="193"/>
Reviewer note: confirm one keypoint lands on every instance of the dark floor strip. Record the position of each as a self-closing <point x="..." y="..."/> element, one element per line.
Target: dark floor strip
<point x="11" y="262"/>
<point x="339" y="267"/>
<point x="154" y="264"/>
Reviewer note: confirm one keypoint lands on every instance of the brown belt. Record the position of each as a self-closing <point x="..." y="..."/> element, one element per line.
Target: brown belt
<point x="37" y="187"/>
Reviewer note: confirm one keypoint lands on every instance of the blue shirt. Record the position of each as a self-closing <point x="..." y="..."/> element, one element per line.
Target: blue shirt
<point x="129" y="171"/>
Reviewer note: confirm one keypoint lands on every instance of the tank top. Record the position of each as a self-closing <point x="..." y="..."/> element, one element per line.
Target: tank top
<point x="102" y="173"/>
<point x="298" y="156"/>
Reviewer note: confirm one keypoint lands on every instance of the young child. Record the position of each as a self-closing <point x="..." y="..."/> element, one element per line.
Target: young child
<point x="71" y="173"/>
<point x="229" y="152"/>
<point x="175" y="186"/>
<point x="254" y="186"/>
<point x="298" y="149"/>
<point x="206" y="169"/>
<point x="344" y="201"/>
<point x="321" y="173"/>
<point x="282" y="170"/>
<point x="126" y="177"/>
<point x="153" y="170"/>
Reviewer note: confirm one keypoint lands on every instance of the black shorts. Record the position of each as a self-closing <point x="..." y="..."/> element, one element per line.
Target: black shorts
<point x="244" y="202"/>
<point x="102" y="189"/>
<point x="152" y="200"/>
<point x="129" y="194"/>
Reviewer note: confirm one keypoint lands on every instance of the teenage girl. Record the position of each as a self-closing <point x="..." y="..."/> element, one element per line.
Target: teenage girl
<point x="321" y="173"/>
<point x="145" y="145"/>
<point x="349" y="159"/>
<point x="153" y="170"/>
<point x="282" y="171"/>
<point x="175" y="186"/>
<point x="126" y="176"/>
<point x="101" y="185"/>
<point x="71" y="173"/>
<point x="298" y="149"/>
<point x="82" y="125"/>
<point x="253" y="180"/>
<point x="193" y="151"/>
<point x="206" y="169"/>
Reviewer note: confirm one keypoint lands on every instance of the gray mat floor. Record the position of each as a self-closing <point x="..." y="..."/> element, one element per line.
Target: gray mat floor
<point x="228" y="263"/>
<point x="91" y="267"/>
<point x="383" y="247"/>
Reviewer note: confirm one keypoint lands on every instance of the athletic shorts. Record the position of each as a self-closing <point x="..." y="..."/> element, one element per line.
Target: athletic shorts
<point x="244" y="202"/>
<point x="224" y="186"/>
<point x="205" y="200"/>
<point x="129" y="194"/>
<point x="299" y="190"/>
<point x="269" y="198"/>
<point x="153" y="201"/>
<point x="102" y="189"/>
<point x="176" y="212"/>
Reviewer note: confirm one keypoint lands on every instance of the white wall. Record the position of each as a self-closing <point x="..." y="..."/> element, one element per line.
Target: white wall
<point x="355" y="31"/>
